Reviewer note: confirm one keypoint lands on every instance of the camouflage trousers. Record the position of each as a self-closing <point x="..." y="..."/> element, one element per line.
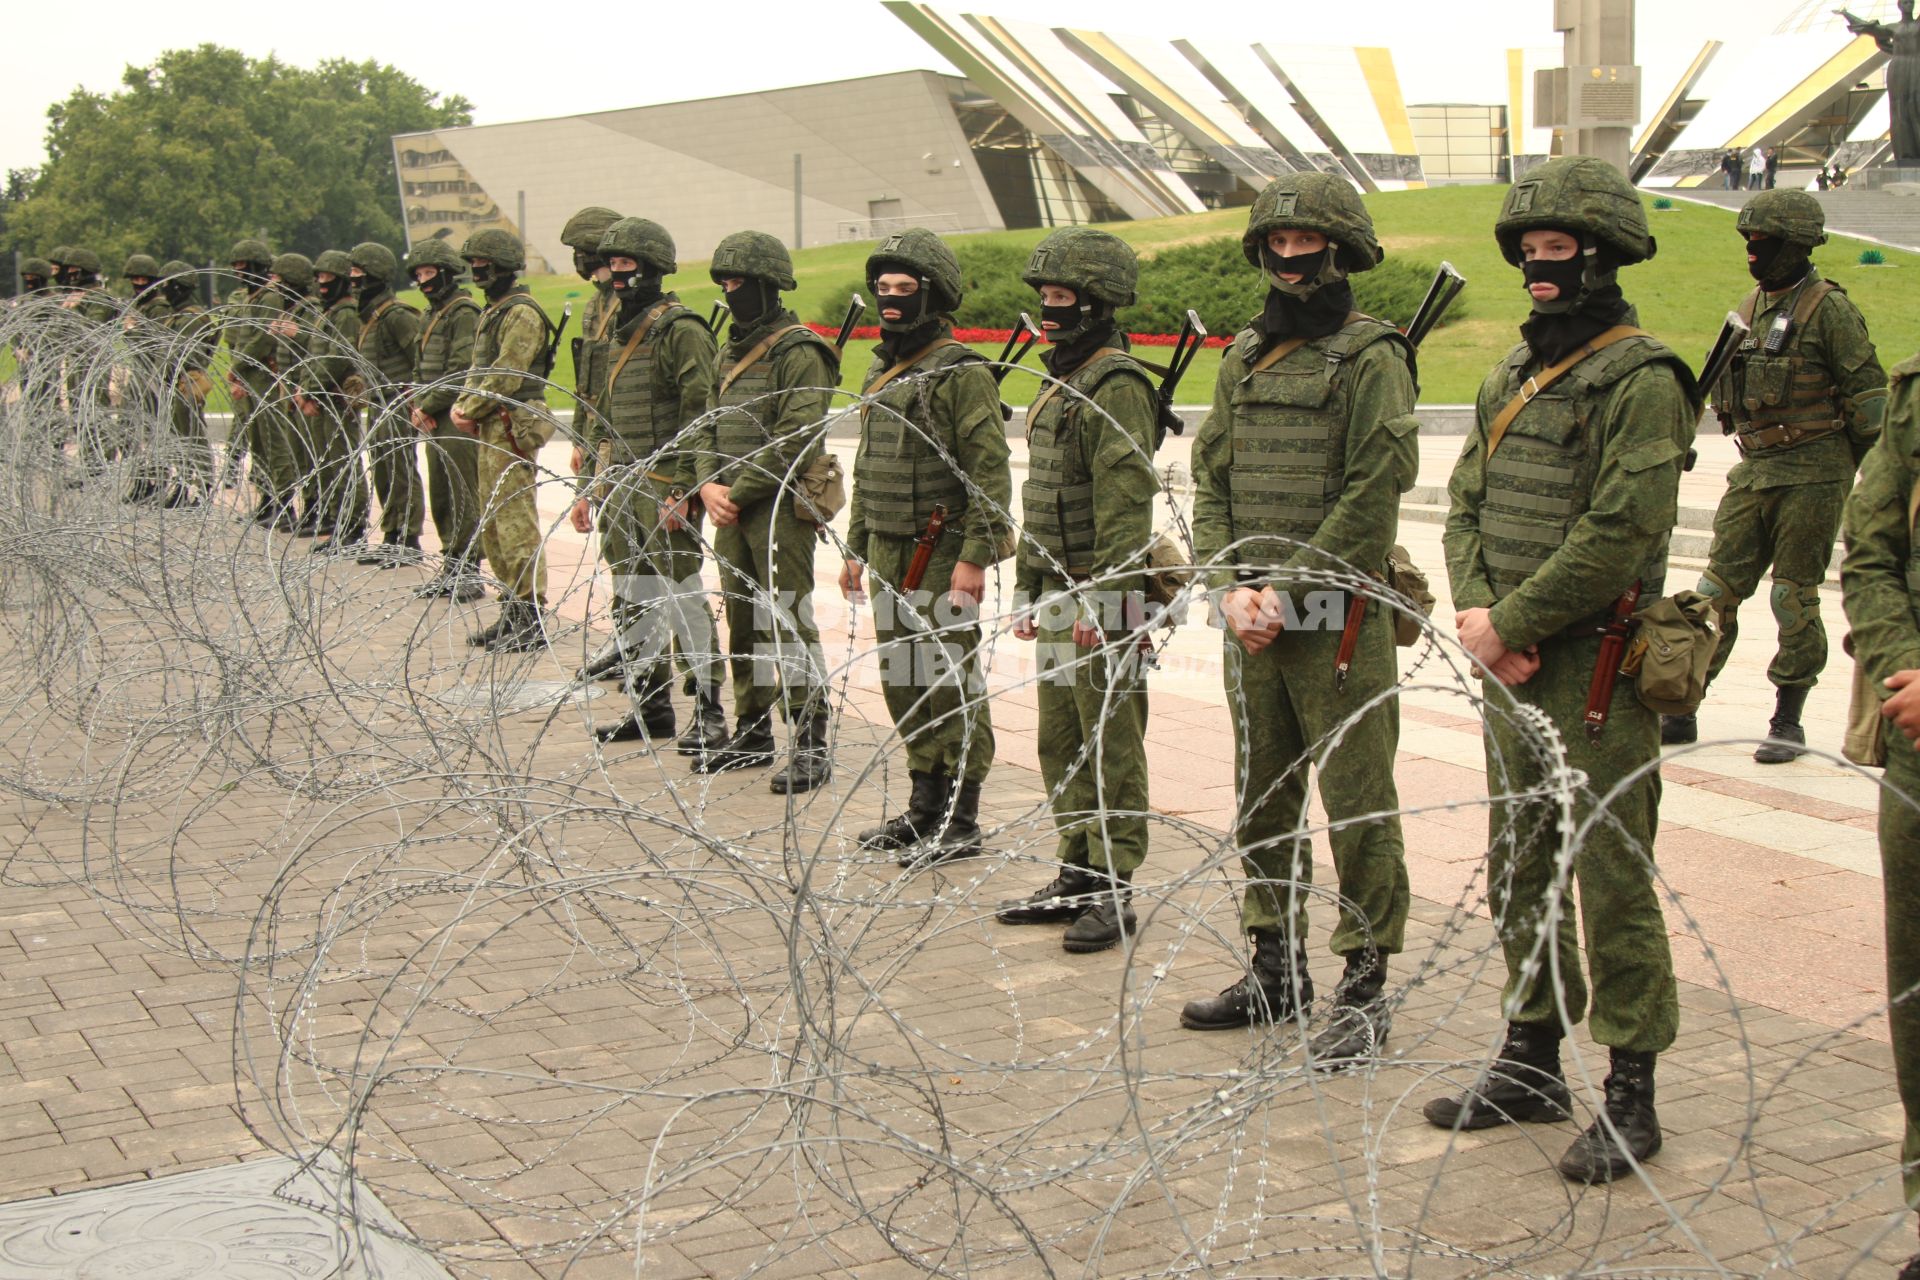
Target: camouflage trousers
<point x="1286" y="712"/>
<point x="509" y="519"/>
<point x="261" y="424"/>
<point x="453" y="461"/>
<point x="931" y="683"/>
<point x="193" y="456"/>
<point x="1791" y="529"/>
<point x="1635" y="1003"/>
<point x="342" y="490"/>
<point x="659" y="602"/>
<point x="1093" y="748"/>
<point x="1900" y="868"/>
<point x="766" y="577"/>
<point x="393" y="458"/>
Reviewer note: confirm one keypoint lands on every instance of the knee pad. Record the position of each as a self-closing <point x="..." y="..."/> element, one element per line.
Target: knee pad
<point x="1715" y="588"/>
<point x="1796" y="606"/>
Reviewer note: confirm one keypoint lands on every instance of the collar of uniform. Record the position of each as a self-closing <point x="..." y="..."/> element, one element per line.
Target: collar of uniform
<point x="739" y="343"/>
<point x="660" y="304"/>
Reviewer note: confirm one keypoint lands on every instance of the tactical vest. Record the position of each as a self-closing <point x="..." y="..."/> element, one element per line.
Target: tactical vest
<point x="1780" y="401"/>
<point x="200" y="354"/>
<point x="741" y="431"/>
<point x="1540" y="479"/>
<point x="899" y="473"/>
<point x="1056" y="501"/>
<point x="436" y="340"/>
<point x="644" y="416"/>
<point x="486" y="342"/>
<point x="591" y="357"/>
<point x="1290" y="432"/>
<point x="392" y="359"/>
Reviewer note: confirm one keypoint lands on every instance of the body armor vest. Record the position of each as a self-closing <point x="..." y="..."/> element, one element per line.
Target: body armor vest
<point x="642" y="415"/>
<point x="200" y="354"/>
<point x="486" y="342"/>
<point x="1540" y="480"/>
<point x="741" y="431"/>
<point x="1783" y="400"/>
<point x="1056" y="501"/>
<point x="392" y="359"/>
<point x="436" y="339"/>
<point x="591" y="356"/>
<point x="1290" y="434"/>
<point x="900" y="474"/>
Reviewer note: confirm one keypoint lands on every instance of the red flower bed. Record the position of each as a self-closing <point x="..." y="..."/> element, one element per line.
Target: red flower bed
<point x="986" y="337"/>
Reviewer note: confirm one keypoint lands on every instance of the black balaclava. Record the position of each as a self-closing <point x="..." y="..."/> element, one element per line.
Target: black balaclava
<point x="919" y="322"/>
<point x="1313" y="308"/>
<point x="252" y="274"/>
<point x="493" y="281"/>
<point x="1088" y="324"/>
<point x="1777" y="264"/>
<point x="1581" y="313"/>
<point x="33" y="284"/>
<point x="586" y="264"/>
<point x="180" y="290"/>
<point x="332" y="291"/>
<point x="141" y="291"/>
<point x="637" y="290"/>
<point x="439" y="287"/>
<point x="292" y="291"/>
<point x="752" y="302"/>
<point x="367" y="288"/>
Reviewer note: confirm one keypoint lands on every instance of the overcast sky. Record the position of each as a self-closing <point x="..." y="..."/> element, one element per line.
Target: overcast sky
<point x="521" y="61"/>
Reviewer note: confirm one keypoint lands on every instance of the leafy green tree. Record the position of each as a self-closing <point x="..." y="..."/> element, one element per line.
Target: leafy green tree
<point x="206" y="145"/>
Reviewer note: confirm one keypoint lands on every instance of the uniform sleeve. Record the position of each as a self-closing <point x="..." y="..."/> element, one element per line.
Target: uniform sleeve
<point x="402" y="330"/>
<point x="1116" y="443"/>
<point x="1383" y="459"/>
<point x="970" y="399"/>
<point x="199" y="340"/>
<point x="324" y="352"/>
<point x="522" y="336"/>
<point x="793" y="421"/>
<point x="1647" y="423"/>
<point x="1212" y="479"/>
<point x="462" y="325"/>
<point x="1873" y="575"/>
<point x="1856" y="371"/>
<point x="689" y="356"/>
<point x="1467" y="580"/>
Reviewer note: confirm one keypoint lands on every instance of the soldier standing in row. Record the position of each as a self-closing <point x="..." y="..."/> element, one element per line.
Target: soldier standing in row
<point x="1299" y="469"/>
<point x="502" y="403"/>
<point x="39" y="382"/>
<point x="1882" y="597"/>
<point x="776" y="387"/>
<point x="932" y="438"/>
<point x="88" y="387"/>
<point x="259" y="403"/>
<point x="442" y="355"/>
<point x="1803" y="401"/>
<point x="658" y="379"/>
<point x="388" y="333"/>
<point x="1563" y="499"/>
<point x="336" y="489"/>
<point x="1087" y="515"/>
<point x="195" y="343"/>
<point x="145" y="323"/>
<point x="582" y="234"/>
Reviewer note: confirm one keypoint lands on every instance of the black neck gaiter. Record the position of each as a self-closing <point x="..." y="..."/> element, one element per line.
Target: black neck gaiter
<point x="1553" y="337"/>
<point x="895" y="346"/>
<point x="1325" y="312"/>
<point x="1063" y="358"/>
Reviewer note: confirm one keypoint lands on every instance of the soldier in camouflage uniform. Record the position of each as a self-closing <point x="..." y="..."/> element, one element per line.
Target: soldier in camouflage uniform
<point x="1563" y="498"/>
<point x="86" y="378"/>
<point x="314" y="359"/>
<point x="1299" y="468"/>
<point x="583" y="234"/>
<point x="37" y="384"/>
<point x="1804" y="407"/>
<point x="195" y="343"/>
<point x="657" y="381"/>
<point x="1087" y="515"/>
<point x="336" y="490"/>
<point x="931" y="435"/>
<point x="503" y="403"/>
<point x="145" y="322"/>
<point x="389" y="334"/>
<point x="1881" y="579"/>
<point x="260" y="404"/>
<point x="443" y="353"/>
<point x="776" y="386"/>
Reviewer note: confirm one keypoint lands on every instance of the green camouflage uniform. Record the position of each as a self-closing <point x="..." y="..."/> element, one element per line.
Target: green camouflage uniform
<point x="1576" y="504"/>
<point x="758" y="449"/>
<point x="337" y="488"/>
<point x="1783" y="502"/>
<point x="510" y="342"/>
<point x="932" y="435"/>
<point x="261" y="414"/>
<point x="195" y="342"/>
<point x="1881" y="578"/>
<point x="1087" y="511"/>
<point x="388" y="332"/>
<point x="443" y="351"/>
<point x="1333" y="420"/>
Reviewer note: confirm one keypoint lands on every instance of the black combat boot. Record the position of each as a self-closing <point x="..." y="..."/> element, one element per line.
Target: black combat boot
<point x="405" y="551"/>
<point x="959" y="838"/>
<point x="1627" y="1131"/>
<point x="812" y="762"/>
<point x="1276" y="988"/>
<point x="926" y="802"/>
<point x="1105" y="922"/>
<point x="524" y="632"/>
<point x="1061" y="899"/>
<point x="309" y="525"/>
<point x="1524" y="1083"/>
<point x="484" y="636"/>
<point x="1786" y="740"/>
<point x="604" y="662"/>
<point x="654" y="719"/>
<point x="466" y="582"/>
<point x="1679" y="730"/>
<point x="1912" y="1270"/>
<point x="340" y="543"/>
<point x="440" y="585"/>
<point x="750" y="747"/>
<point x="1359" y="1021"/>
<point x="708" y="732"/>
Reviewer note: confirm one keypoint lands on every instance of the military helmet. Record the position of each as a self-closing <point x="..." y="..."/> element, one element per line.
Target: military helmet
<point x="40" y="267"/>
<point x="1580" y="194"/>
<point x="435" y="253"/>
<point x="250" y="251"/>
<point x="1315" y="202"/>
<point x="919" y="252"/>
<point x="60" y="255"/>
<point x="755" y="255"/>
<point x="375" y="259"/>
<point x="1793" y="216"/>
<point x="641" y="239"/>
<point x="333" y="262"/>
<point x="502" y="248"/>
<point x="585" y="228"/>
<point x="1092" y="262"/>
<point x="141" y="265"/>
<point x="295" y="269"/>
<point x="174" y="267"/>
<point x="85" y="259"/>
